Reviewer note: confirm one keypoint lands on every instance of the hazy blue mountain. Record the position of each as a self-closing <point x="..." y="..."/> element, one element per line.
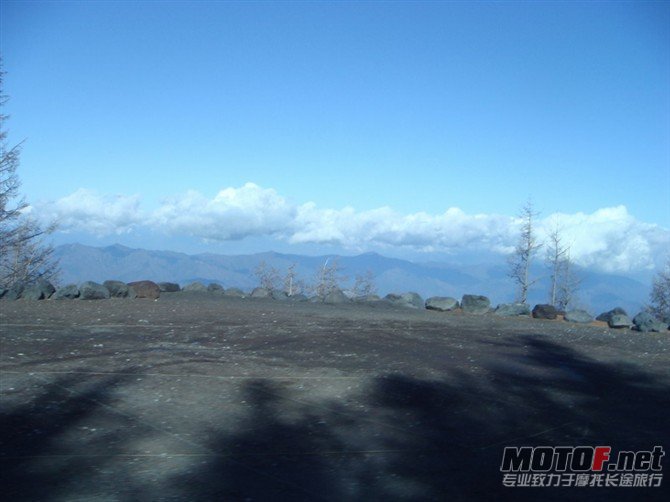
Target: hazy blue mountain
<point x="598" y="291"/>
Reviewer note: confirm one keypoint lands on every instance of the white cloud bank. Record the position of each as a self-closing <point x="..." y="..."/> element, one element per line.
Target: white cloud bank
<point x="609" y="239"/>
<point x="87" y="211"/>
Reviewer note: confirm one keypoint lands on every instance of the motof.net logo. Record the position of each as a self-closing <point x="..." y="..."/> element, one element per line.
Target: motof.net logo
<point x="581" y="466"/>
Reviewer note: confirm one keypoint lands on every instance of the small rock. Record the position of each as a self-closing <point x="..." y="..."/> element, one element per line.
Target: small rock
<point x="475" y="304"/>
<point x="544" y="311"/>
<point x="441" y="303"/>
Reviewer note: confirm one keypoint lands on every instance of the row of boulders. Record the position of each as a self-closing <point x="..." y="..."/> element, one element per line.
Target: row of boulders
<point x="471" y="304"/>
<point x="478" y="304"/>
<point x="644" y="321"/>
<point x="198" y="287"/>
<point x="89" y="290"/>
<point x="615" y="318"/>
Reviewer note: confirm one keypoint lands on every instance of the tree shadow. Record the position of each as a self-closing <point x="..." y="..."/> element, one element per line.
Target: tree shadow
<point x="405" y="438"/>
<point x="36" y="463"/>
<point x="393" y="437"/>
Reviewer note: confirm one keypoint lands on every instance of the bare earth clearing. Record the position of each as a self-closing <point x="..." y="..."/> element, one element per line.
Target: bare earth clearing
<point x="198" y="397"/>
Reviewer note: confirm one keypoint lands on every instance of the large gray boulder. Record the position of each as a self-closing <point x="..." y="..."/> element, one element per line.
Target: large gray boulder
<point x="578" y="316"/>
<point x="90" y="290"/>
<point x="512" y="309"/>
<point x="475" y="304"/>
<point x="336" y="296"/>
<point x="279" y="295"/>
<point x="646" y="322"/>
<point x="408" y="300"/>
<point x="14" y="292"/>
<point x="195" y="287"/>
<point x="69" y="292"/>
<point x="213" y="287"/>
<point x="169" y="287"/>
<point x="606" y="316"/>
<point x="441" y="303"/>
<point x="39" y="290"/>
<point x="260" y="293"/>
<point x="544" y="311"/>
<point x="235" y="292"/>
<point x="298" y="298"/>
<point x="118" y="289"/>
<point x="146" y="289"/>
<point x="619" y="321"/>
<point x="367" y="299"/>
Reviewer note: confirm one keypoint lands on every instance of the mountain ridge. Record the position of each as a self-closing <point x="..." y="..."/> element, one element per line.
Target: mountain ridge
<point x="79" y="262"/>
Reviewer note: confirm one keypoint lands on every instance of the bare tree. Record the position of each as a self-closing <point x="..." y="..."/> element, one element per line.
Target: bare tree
<point x="555" y="259"/>
<point x="268" y="276"/>
<point x="660" y="294"/>
<point x="563" y="281"/>
<point x="567" y="285"/>
<point x="24" y="256"/>
<point x="328" y="277"/>
<point x="525" y="252"/>
<point x="292" y="284"/>
<point x="364" y="284"/>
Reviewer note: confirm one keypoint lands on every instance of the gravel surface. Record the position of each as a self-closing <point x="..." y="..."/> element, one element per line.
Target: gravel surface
<point x="203" y="397"/>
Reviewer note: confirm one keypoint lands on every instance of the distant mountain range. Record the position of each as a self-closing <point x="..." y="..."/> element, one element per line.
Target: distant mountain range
<point x="598" y="291"/>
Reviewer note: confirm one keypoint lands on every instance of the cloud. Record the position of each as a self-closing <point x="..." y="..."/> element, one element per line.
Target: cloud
<point x="384" y="227"/>
<point x="234" y="213"/>
<point x="86" y="211"/>
<point x="609" y="239"/>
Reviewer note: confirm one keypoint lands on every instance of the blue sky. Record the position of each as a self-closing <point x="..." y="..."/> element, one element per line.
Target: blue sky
<point x="334" y="110"/>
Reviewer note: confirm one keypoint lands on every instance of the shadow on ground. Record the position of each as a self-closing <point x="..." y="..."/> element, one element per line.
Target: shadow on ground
<point x="437" y="440"/>
<point x="402" y="438"/>
<point x="45" y="450"/>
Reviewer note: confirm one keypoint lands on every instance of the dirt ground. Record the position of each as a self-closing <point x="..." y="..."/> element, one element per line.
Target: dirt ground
<point x="200" y="397"/>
